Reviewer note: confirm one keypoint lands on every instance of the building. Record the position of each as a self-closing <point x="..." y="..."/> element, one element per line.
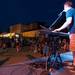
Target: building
<point x="16" y="28"/>
<point x="27" y="30"/>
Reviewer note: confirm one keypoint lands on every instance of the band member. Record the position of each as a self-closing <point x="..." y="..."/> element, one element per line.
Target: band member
<point x="70" y="22"/>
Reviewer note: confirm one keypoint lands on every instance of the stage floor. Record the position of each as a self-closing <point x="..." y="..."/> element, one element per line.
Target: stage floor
<point x="25" y="69"/>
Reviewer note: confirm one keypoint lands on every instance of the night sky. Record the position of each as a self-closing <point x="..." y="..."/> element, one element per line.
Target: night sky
<point x="26" y="11"/>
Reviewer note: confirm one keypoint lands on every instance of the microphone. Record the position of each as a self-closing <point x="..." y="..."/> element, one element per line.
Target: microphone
<point x="61" y="13"/>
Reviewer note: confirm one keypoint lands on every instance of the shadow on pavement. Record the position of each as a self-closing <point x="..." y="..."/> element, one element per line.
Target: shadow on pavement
<point x="3" y="61"/>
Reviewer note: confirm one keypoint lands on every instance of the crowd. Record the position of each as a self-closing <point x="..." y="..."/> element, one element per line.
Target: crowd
<point x="46" y="45"/>
<point x="13" y="42"/>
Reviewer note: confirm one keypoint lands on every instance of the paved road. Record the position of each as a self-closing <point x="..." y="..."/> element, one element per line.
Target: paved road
<point x="27" y="70"/>
<point x="20" y="69"/>
<point x="24" y="69"/>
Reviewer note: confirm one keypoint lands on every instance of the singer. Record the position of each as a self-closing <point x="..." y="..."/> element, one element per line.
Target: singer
<point x="70" y="22"/>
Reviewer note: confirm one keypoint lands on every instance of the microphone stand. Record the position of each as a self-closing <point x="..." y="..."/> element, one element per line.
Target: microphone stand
<point x="55" y="21"/>
<point x="56" y="54"/>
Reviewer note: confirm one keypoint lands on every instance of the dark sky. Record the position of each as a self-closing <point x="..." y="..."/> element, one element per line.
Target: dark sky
<point x="24" y="11"/>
